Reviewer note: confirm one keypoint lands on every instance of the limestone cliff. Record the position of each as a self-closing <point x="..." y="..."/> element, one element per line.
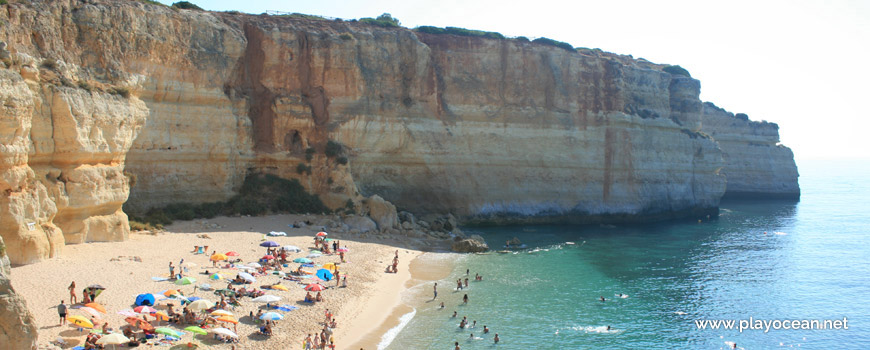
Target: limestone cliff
<point x="488" y="129"/>
<point x="756" y="164"/>
<point x="17" y="328"/>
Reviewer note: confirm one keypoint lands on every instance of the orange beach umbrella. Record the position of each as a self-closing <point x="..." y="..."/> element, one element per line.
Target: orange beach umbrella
<point x="218" y="257"/>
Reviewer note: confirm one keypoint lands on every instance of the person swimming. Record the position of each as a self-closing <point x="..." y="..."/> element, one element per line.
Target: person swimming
<point x="602" y="299"/>
<point x="496" y="339"/>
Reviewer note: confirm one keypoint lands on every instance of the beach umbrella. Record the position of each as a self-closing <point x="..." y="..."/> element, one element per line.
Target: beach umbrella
<point x="343" y="250"/>
<point x="253" y="264"/>
<point x="114" y="338"/>
<point x="328" y="240"/>
<point x="291" y="248"/>
<point x="229" y="319"/>
<point x="128" y="313"/>
<point x="170" y="292"/>
<point x="185" y="281"/>
<point x="221" y="312"/>
<point x="200" y="304"/>
<point x="324" y="274"/>
<point x="205" y="286"/>
<point x="279" y="273"/>
<point x="330" y="266"/>
<point x="168" y="331"/>
<point x="218" y="257"/>
<point x="243" y="267"/>
<point x="232" y="254"/>
<point x="302" y="260"/>
<point x="315" y="287"/>
<point x="280" y="287"/>
<point x="267" y="257"/>
<point x="80" y="321"/>
<point x="268" y="298"/>
<point x="224" y="332"/>
<point x="321" y="234"/>
<point x="196" y="330"/>
<point x="97" y="307"/>
<point x="96" y="287"/>
<point x="271" y="316"/>
<point x="215" y="277"/>
<point x="313" y="255"/>
<point x="145" y="310"/>
<point x="269" y="244"/>
<point x="90" y="311"/>
<point x="193" y="298"/>
<point x="162" y="316"/>
<point x="247" y="277"/>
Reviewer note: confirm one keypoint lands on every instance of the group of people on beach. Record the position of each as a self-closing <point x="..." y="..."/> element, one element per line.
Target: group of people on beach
<point x="141" y="329"/>
<point x="464" y="323"/>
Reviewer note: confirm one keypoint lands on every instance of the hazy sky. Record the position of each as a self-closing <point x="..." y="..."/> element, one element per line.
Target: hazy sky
<point x="801" y="64"/>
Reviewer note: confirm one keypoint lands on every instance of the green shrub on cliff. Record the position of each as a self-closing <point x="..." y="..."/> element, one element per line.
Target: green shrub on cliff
<point x="385" y="20"/>
<point x="333" y="149"/>
<point x="677" y="70"/>
<point x="551" y="42"/>
<point x="459" y="31"/>
<point x="185" y="5"/>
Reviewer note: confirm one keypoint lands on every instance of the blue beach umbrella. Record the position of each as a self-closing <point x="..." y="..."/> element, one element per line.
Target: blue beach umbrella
<point x="302" y="260"/>
<point x="324" y="274"/>
<point x="271" y="316"/>
<point x="269" y="244"/>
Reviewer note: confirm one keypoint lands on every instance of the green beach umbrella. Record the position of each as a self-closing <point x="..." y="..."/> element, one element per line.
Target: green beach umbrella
<point x="185" y="281"/>
<point x="167" y="331"/>
<point x="197" y="330"/>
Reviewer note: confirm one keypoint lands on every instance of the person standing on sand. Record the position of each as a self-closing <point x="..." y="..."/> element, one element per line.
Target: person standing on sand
<point x="61" y="311"/>
<point x="171" y="270"/>
<point x="435" y="291"/>
<point x="72" y="293"/>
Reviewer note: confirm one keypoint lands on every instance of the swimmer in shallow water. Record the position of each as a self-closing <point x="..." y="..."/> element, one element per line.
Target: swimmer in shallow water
<point x="602" y="299"/>
<point x="496" y="339"/>
<point x="608" y="327"/>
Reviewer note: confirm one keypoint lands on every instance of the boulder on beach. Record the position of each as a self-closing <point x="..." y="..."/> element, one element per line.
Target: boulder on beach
<point x="473" y="244"/>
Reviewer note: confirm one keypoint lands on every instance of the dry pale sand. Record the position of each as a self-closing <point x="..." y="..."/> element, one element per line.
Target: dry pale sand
<point x="362" y="310"/>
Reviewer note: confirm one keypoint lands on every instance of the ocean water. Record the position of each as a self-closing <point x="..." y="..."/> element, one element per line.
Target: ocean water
<point x="813" y="263"/>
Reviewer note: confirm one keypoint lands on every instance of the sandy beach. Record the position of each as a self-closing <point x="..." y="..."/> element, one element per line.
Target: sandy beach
<point x="363" y="310"/>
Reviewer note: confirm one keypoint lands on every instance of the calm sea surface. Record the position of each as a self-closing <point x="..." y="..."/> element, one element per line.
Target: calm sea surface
<point x="813" y="263"/>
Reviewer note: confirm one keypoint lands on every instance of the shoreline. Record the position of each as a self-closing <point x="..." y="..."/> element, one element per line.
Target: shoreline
<point x="420" y="273"/>
<point x="126" y="268"/>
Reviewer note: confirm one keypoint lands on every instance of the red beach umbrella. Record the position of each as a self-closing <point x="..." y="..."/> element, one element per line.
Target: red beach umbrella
<point x="315" y="287"/>
<point x="232" y="254"/>
<point x="268" y="257"/>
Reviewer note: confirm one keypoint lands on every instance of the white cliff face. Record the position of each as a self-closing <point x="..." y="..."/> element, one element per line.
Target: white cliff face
<point x="756" y="164"/>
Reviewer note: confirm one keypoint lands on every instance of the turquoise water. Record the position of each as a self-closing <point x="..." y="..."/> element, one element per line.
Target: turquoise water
<point x="813" y="263"/>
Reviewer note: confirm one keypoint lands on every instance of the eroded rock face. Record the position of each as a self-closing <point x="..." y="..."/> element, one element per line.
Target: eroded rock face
<point x="486" y="129"/>
<point x="756" y="164"/>
<point x="62" y="163"/>
<point x="17" y="327"/>
<point x="381" y="211"/>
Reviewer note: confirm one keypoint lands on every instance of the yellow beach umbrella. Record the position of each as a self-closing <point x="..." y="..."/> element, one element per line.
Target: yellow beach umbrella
<point x="330" y="266"/>
<point x="280" y="287"/>
<point x="80" y="321"/>
<point x="218" y="257"/>
<point x="221" y="313"/>
<point x="162" y="316"/>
